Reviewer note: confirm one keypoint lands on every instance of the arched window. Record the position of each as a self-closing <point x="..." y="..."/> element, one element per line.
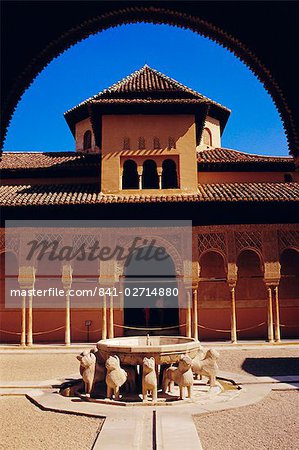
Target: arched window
<point x="169" y="175"/>
<point x="156" y="143"/>
<point x="289" y="283"/>
<point x="141" y="143"/>
<point x="126" y="143"/>
<point x="207" y="137"/>
<point x="87" y="140"/>
<point x="171" y="143"/>
<point x="150" y="179"/>
<point x="9" y="270"/>
<point x="212" y="271"/>
<point x="130" y="175"/>
<point x="250" y="284"/>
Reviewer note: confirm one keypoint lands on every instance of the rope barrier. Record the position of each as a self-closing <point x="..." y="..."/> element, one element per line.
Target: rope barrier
<point x="48" y="331"/>
<point x="214" y="329"/>
<point x="34" y="334"/>
<point x="10" y="332"/>
<point x="85" y="331"/>
<point x="228" y="331"/>
<point x="149" y="329"/>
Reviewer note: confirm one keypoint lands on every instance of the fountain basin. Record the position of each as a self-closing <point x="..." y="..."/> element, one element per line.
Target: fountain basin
<point x="132" y="350"/>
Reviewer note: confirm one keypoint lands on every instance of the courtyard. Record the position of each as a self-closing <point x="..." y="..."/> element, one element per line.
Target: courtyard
<point x="268" y="421"/>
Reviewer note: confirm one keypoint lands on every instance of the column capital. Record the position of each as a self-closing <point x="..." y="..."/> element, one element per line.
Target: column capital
<point x="66" y="276"/>
<point x="26" y="276"/>
<point x="232" y="283"/>
<point x="271" y="282"/>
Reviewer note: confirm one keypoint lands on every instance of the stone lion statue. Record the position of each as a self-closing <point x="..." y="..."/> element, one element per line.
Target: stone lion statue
<point x="207" y="366"/>
<point x="87" y="370"/>
<point x="91" y="371"/>
<point x="115" y="377"/>
<point x="149" y="379"/>
<point x="197" y="360"/>
<point x="181" y="375"/>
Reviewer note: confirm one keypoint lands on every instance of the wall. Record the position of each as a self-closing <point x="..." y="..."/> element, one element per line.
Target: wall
<point x="244" y="177"/>
<point x="214" y="126"/>
<point x="117" y="127"/>
<point x="81" y="127"/>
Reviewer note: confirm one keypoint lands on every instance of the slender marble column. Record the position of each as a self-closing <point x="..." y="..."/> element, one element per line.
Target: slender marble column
<point x="111" y="319"/>
<point x="233" y="316"/>
<point x="67" y="339"/>
<point x="29" y="329"/>
<point x="104" y="318"/>
<point x="195" y="315"/>
<point x="270" y="316"/>
<point x="23" y="333"/>
<point x="160" y="180"/>
<point x="277" y="318"/>
<point x="188" y="318"/>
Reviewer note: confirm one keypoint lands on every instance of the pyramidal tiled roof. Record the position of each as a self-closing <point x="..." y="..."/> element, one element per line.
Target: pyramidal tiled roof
<point x="147" y="81"/>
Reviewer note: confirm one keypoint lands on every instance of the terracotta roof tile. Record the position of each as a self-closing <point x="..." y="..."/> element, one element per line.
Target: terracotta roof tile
<point x="226" y="155"/>
<point x="46" y="160"/>
<point x="76" y="194"/>
<point x="61" y="160"/>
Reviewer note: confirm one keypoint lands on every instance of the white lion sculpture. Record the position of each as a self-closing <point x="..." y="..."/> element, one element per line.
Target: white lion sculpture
<point x="149" y="379"/>
<point x="181" y="375"/>
<point x="207" y="366"/>
<point x="116" y="376"/>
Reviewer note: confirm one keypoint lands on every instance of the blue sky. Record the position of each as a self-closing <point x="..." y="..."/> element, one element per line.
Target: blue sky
<point x="101" y="60"/>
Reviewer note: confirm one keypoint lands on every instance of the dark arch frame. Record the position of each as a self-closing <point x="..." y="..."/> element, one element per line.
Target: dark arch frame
<point x="150" y="178"/>
<point x="130" y="178"/>
<point x="169" y="174"/>
<point x="150" y="317"/>
<point x="156" y="15"/>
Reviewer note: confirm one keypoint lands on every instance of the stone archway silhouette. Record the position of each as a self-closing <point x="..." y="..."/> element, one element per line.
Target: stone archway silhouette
<point x="148" y="307"/>
<point x="156" y="15"/>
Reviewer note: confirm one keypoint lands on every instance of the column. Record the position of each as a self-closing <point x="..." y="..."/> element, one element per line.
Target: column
<point x="29" y="329"/>
<point x="195" y="315"/>
<point x="159" y="170"/>
<point x="104" y="318"/>
<point x="67" y="338"/>
<point x="277" y="319"/>
<point x="270" y="316"/>
<point x="26" y="281"/>
<point x="188" y="317"/>
<point x="233" y="322"/>
<point x="66" y="279"/>
<point x="139" y="170"/>
<point x="121" y="179"/>
<point x="23" y="333"/>
<point x="111" y="319"/>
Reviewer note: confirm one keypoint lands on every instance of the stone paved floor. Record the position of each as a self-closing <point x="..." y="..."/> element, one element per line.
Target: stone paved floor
<point x="25" y="427"/>
<point x="271" y="424"/>
<point x="37" y="366"/>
